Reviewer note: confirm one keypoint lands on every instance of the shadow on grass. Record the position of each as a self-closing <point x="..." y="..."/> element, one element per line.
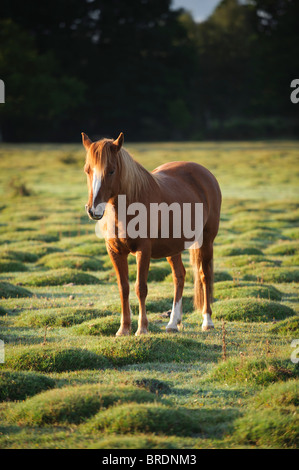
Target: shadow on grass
<point x="16" y="335"/>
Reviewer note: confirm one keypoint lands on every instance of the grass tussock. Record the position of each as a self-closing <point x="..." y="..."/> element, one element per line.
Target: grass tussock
<point x="251" y="310"/>
<point x="9" y="266"/>
<point x="272" y="420"/>
<point x="8" y="290"/>
<point x="59" y="317"/>
<point x="283" y="248"/>
<point x="233" y="290"/>
<point x="57" y="277"/>
<point x="287" y="327"/>
<point x="261" y="372"/>
<point x="72" y="404"/>
<point x="21" y="385"/>
<point x="148" y="418"/>
<point x="237" y="250"/>
<point x="47" y="359"/>
<point x="245" y="260"/>
<point x="19" y="256"/>
<point x="2" y="311"/>
<point x="148" y="349"/>
<point x="81" y="262"/>
<point x="273" y="275"/>
<point x="108" y="326"/>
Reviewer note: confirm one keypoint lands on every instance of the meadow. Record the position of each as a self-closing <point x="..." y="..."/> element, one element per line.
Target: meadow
<point x="68" y="382"/>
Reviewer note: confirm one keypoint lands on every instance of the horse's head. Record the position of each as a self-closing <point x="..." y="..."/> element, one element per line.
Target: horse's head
<point x="103" y="173"/>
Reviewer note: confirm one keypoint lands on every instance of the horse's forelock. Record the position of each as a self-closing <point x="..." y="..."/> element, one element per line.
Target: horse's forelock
<point x="99" y="154"/>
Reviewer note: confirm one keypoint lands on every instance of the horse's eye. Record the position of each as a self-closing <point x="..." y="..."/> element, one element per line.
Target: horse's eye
<point x="111" y="172"/>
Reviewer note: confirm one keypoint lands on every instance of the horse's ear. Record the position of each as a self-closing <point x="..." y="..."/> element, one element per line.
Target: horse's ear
<point x="119" y="141"/>
<point x="86" y="141"/>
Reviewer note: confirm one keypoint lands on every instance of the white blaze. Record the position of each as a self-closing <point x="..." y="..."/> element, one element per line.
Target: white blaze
<point x="96" y="185"/>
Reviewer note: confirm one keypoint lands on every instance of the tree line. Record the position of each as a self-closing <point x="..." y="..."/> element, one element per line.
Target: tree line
<point x="138" y="66"/>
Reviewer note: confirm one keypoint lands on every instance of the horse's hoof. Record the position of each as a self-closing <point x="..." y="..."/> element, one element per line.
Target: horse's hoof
<point x="172" y="330"/>
<point x="207" y="327"/>
<point x="123" y="332"/>
<point x="141" y="331"/>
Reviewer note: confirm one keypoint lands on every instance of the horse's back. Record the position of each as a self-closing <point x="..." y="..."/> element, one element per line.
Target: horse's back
<point x="186" y="177"/>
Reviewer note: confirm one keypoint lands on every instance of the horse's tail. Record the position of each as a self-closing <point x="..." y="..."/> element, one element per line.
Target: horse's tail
<point x="196" y="262"/>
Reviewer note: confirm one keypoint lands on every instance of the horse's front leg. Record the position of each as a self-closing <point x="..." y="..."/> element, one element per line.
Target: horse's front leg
<point x="120" y="263"/>
<point x="143" y="262"/>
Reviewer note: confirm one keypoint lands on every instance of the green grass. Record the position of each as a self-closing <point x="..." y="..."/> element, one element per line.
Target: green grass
<point x="58" y="260"/>
<point x="283" y="248"/>
<point x="8" y="290"/>
<point x="107" y="326"/>
<point x="68" y="382"/>
<point x="8" y="266"/>
<point x="67" y="316"/>
<point x="57" y="277"/>
<point x="71" y="404"/>
<point x="272" y="420"/>
<point x="237" y="250"/>
<point x="251" y="310"/>
<point x="21" y="385"/>
<point x="147" y="349"/>
<point x="254" y="371"/>
<point x="233" y="290"/>
<point x="156" y="418"/>
<point x="272" y="275"/>
<point x="287" y="327"/>
<point x="50" y="359"/>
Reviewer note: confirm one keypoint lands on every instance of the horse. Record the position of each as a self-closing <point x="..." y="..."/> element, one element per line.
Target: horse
<point x="112" y="172"/>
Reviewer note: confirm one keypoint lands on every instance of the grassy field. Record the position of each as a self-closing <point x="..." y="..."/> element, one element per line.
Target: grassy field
<point x="68" y="382"/>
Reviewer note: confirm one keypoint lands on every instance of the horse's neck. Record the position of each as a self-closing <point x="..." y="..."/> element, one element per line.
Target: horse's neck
<point x="137" y="183"/>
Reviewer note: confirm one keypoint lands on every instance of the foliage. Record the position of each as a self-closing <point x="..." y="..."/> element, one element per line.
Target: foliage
<point x="149" y="68"/>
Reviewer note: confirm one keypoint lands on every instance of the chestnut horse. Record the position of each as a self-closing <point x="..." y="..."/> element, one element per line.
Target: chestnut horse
<point x="111" y="171"/>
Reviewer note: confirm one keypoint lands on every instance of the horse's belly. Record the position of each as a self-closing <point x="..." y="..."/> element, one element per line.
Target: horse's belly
<point x="162" y="248"/>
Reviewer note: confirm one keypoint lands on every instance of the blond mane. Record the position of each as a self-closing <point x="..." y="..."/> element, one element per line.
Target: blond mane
<point x="135" y="180"/>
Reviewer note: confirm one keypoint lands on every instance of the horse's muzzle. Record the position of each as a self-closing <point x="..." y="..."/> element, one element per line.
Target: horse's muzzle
<point x="92" y="215"/>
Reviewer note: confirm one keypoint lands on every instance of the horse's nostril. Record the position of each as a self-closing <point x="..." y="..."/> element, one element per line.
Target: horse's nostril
<point x="88" y="210"/>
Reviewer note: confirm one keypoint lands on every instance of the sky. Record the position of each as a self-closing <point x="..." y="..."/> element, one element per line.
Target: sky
<point x="200" y="9"/>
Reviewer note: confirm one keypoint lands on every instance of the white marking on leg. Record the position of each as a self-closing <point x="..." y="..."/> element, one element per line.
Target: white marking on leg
<point x="175" y="316"/>
<point x="207" y="323"/>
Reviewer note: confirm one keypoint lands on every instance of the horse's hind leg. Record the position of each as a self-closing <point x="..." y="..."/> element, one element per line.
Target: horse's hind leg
<point x="206" y="277"/>
<point x="178" y="273"/>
